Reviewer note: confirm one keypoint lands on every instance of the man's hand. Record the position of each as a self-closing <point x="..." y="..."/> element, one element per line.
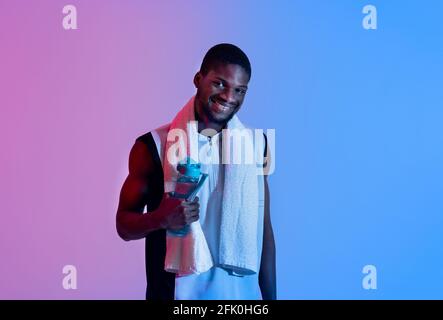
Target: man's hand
<point x="174" y="214"/>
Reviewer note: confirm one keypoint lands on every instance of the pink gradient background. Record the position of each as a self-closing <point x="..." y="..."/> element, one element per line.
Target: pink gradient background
<point x="72" y="104"/>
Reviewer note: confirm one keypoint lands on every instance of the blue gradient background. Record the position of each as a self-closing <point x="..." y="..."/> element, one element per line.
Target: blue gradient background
<point x="357" y="115"/>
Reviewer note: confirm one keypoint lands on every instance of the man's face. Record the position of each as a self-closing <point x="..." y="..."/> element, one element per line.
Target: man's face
<point x="220" y="93"/>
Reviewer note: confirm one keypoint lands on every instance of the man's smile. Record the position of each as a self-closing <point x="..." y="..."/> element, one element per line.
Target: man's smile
<point x="220" y="107"/>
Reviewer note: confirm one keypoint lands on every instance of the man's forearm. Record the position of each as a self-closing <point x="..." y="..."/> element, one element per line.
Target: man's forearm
<point x="134" y="225"/>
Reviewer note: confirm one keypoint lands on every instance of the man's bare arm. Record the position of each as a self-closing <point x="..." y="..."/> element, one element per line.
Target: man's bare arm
<point x="267" y="275"/>
<point x="172" y="213"/>
<point x="131" y="223"/>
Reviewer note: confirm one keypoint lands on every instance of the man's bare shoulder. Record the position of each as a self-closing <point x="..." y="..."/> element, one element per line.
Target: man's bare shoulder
<point x="141" y="161"/>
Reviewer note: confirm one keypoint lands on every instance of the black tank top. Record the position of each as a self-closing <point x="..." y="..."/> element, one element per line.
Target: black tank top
<point x="160" y="283"/>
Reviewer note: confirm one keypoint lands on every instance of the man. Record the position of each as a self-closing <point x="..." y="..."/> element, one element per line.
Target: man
<point x="221" y="85"/>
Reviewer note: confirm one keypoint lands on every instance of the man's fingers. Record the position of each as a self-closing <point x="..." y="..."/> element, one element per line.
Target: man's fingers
<point x="196" y="200"/>
<point x="192" y="218"/>
<point x="191" y="212"/>
<point x="191" y="215"/>
<point x="188" y="203"/>
<point x="191" y="205"/>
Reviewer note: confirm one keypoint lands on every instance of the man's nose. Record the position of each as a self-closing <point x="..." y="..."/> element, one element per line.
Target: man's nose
<point x="228" y="95"/>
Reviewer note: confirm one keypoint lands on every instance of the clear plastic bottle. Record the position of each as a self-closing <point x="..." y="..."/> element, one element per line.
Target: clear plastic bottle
<point x="187" y="180"/>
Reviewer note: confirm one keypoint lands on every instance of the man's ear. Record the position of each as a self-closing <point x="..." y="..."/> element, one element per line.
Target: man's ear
<point x="197" y="79"/>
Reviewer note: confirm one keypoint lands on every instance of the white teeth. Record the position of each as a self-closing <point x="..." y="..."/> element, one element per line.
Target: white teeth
<point x="220" y="107"/>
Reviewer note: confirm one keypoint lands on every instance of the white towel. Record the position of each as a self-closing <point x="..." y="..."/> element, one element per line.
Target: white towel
<point x="239" y="219"/>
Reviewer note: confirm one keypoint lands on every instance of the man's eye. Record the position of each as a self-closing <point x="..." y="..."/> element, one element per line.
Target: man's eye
<point x="218" y="84"/>
<point x="241" y="91"/>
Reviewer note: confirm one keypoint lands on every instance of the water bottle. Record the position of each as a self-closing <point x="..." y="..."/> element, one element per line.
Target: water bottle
<point x="187" y="181"/>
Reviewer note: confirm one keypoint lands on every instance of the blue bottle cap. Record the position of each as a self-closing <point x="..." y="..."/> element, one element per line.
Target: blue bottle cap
<point x="190" y="168"/>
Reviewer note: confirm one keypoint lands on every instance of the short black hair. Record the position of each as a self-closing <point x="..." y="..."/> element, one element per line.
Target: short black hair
<point x="225" y="53"/>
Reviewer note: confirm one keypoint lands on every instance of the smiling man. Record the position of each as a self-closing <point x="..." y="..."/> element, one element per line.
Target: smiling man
<point x="240" y="263"/>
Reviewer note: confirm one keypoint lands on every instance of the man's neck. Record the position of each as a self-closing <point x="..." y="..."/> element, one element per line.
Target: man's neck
<point x="205" y="123"/>
<point x="202" y="125"/>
